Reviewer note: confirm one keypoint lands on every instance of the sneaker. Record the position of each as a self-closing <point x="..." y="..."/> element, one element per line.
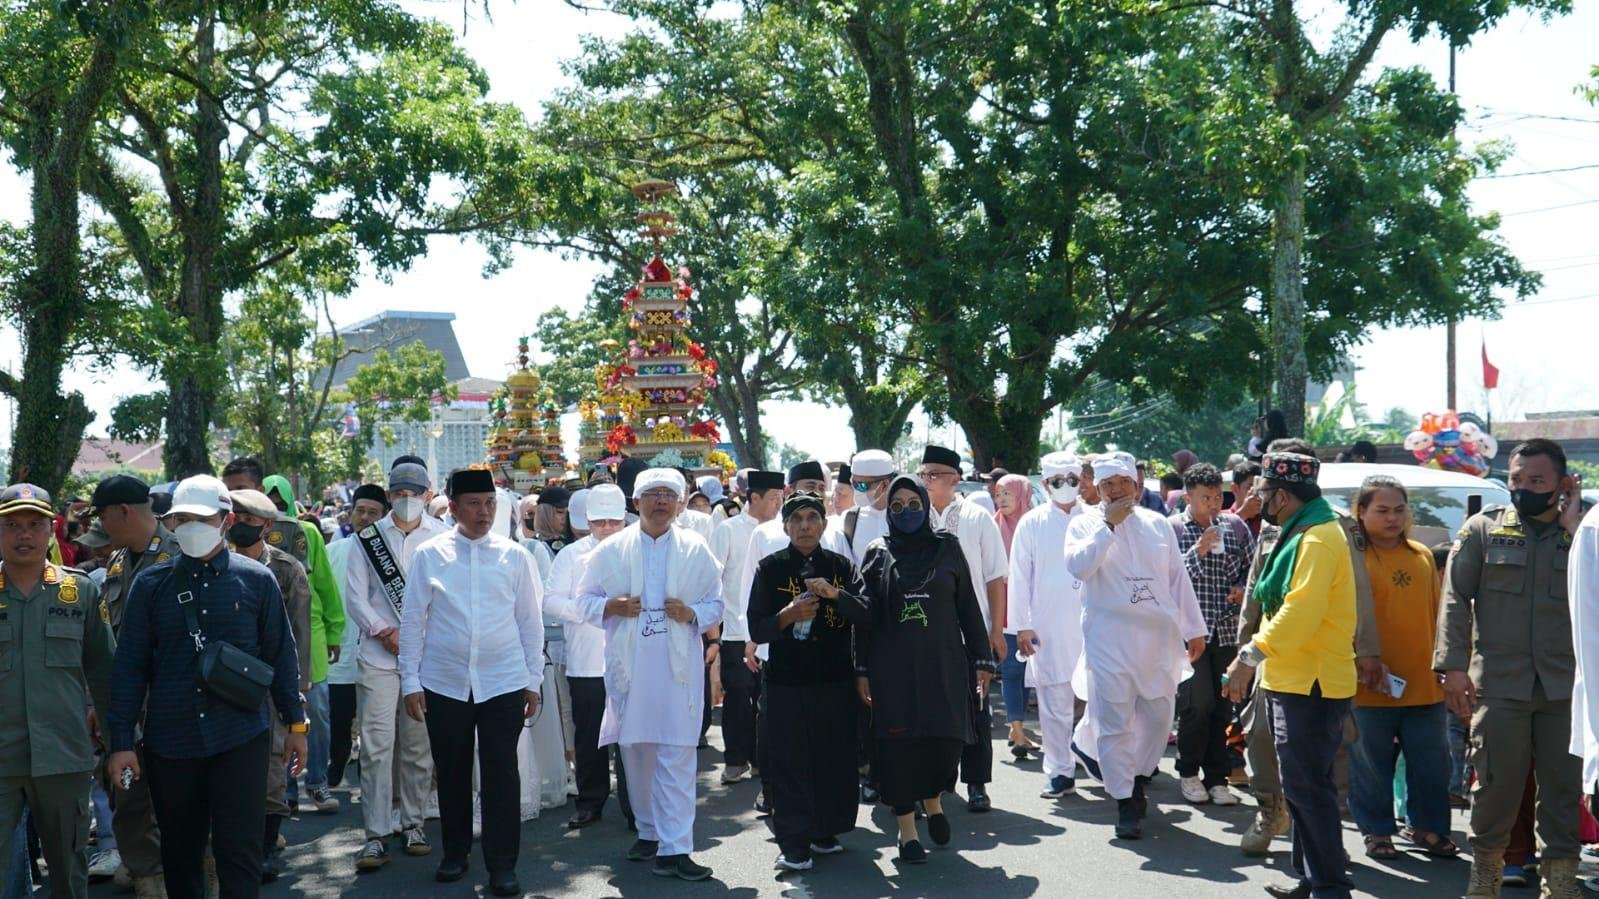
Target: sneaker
<point x="827" y="846"/>
<point x="784" y="863"/>
<point x="1090" y="764"/>
<point x="1059" y="785"/>
<point x="763" y="805"/>
<point x="373" y="855"/>
<point x="105" y="864"/>
<point x="1514" y="876"/>
<point x="869" y="794"/>
<point x="912" y="853"/>
<point x="642" y="850"/>
<point x="1220" y="795"/>
<point x="416" y="842"/>
<point x="326" y="802"/>
<point x="732" y="774"/>
<point x="681" y="867"/>
<point x="1194" y="790"/>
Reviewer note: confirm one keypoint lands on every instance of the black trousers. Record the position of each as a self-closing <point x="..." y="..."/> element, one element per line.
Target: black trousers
<point x="1308" y="730"/>
<point x="1202" y="718"/>
<point x="739" y="689"/>
<point x="341" y="720"/>
<point x="497" y="725"/>
<point x="977" y="759"/>
<point x="814" y="788"/>
<point x="705" y="717"/>
<point x="220" y="800"/>
<point x="593" y="760"/>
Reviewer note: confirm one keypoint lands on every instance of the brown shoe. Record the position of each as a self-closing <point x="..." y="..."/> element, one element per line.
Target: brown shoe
<point x="1487" y="871"/>
<point x="1271" y="821"/>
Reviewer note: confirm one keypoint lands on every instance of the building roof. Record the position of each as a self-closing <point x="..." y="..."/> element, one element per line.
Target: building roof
<point x="99" y="454"/>
<point x="393" y="329"/>
<point x="1561" y="429"/>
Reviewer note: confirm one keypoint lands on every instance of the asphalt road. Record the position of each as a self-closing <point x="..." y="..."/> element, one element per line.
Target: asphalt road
<point x="1026" y="846"/>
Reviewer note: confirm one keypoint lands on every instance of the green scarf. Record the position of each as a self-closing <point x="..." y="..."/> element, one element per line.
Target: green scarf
<point x="1278" y="572"/>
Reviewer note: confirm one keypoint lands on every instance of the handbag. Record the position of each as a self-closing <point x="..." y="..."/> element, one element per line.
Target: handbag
<point x="226" y="671"/>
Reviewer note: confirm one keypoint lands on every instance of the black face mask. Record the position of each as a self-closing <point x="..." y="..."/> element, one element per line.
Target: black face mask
<point x="1531" y="503"/>
<point x="242" y="534"/>
<point x="1266" y="514"/>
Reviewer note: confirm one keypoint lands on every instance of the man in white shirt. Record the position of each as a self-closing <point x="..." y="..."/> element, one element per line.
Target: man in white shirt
<point x="740" y="688"/>
<point x="1139" y="610"/>
<point x="585" y="656"/>
<point x="986" y="559"/>
<point x="655" y="589"/>
<point x="1582" y="591"/>
<point x="1045" y="612"/>
<point x="693" y="519"/>
<point x="391" y="743"/>
<point x="871" y="471"/>
<point x="471" y="664"/>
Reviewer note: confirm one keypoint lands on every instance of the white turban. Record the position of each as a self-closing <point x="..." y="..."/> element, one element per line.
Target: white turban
<point x="871" y="464"/>
<point x="651" y="478"/>
<point x="1060" y="463"/>
<point x="711" y="487"/>
<point x="605" y="503"/>
<point x="1109" y="465"/>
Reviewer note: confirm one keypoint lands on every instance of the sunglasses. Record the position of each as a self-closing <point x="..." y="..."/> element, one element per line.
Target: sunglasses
<point x="1062" y="480"/>
<point x="913" y="505"/>
<point x="863" y="486"/>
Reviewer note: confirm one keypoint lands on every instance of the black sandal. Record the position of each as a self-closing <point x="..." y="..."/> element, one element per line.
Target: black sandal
<point x="1380" y="847"/>
<point x="1435" y="844"/>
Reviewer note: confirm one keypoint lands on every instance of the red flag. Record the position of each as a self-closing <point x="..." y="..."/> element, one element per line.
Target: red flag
<point x="1490" y="374"/>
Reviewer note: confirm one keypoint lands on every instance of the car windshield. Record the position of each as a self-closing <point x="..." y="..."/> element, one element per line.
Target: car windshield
<point x="1439" y="507"/>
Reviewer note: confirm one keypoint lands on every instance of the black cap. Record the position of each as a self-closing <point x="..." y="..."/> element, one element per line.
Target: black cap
<point x="995" y="475"/>
<point x="414" y="460"/>
<point x="938" y="455"/>
<point x="470" y="480"/>
<point x="764" y="480"/>
<point x="120" y="490"/>
<point x="558" y="497"/>
<point x="843" y="473"/>
<point x="798" y="501"/>
<point x="373" y="492"/>
<point x="627" y="472"/>
<point x="807" y="471"/>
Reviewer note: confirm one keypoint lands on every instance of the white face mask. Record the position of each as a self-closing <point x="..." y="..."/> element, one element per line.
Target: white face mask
<point x="197" y="539"/>
<point x="408" y="508"/>
<point x="1065" y="494"/>
<point x="863" y="498"/>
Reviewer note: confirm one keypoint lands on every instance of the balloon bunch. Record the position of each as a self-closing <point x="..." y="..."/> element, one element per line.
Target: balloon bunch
<point x="1442" y="441"/>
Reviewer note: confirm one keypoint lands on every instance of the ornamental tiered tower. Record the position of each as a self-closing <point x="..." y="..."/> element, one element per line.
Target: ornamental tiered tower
<point x="525" y="441"/>
<point x="649" y="402"/>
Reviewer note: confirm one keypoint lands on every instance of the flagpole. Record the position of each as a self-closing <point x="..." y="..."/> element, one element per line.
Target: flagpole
<point x="1449" y="334"/>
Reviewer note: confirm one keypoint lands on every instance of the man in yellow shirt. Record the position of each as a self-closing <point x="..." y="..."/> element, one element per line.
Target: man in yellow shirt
<point x="1306" y="591"/>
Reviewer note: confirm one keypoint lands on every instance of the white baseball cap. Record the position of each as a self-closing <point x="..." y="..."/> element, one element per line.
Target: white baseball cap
<point x="201" y="495"/>
<point x="577" y="510"/>
<point x="605" y="503"/>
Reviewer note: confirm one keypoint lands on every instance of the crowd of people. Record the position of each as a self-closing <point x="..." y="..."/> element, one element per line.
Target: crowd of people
<point x="214" y="659"/>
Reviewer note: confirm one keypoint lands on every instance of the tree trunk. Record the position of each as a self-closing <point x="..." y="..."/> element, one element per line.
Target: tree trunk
<point x="50" y="294"/>
<point x="878" y="420"/>
<point x="739" y="404"/>
<point x="194" y="392"/>
<point x="1288" y="295"/>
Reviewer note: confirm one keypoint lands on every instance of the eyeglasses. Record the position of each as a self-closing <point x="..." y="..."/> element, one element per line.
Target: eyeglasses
<point x="936" y="475"/>
<point x="914" y="505"/>
<point x="658" y="496"/>
<point x="1060" y="481"/>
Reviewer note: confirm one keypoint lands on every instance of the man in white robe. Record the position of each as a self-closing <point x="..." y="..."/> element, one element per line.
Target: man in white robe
<point x="655" y="589"/>
<point x="1139" y="610"/>
<point x="1046" y="612"/>
<point x="871" y="471"/>
<point x="984" y="549"/>
<point x="1582" y="590"/>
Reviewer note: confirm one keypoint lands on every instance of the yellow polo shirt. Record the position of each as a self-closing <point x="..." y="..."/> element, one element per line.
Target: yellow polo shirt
<point x="1311" y="638"/>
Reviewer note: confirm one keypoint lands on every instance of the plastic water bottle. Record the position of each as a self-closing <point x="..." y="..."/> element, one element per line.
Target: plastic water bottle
<point x="802" y="629"/>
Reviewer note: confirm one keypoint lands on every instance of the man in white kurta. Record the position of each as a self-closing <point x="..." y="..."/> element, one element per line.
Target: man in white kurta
<point x="1582" y="588"/>
<point x="606" y="509"/>
<point x="655" y="589"/>
<point x="871" y="471"/>
<point x="1046" y="613"/>
<point x="1139" y="610"/>
<point x="988" y="566"/>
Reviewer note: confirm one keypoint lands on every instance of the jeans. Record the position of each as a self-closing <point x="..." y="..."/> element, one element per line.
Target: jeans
<point x="1420" y="733"/>
<point x="1308" y="731"/>
<point x="1012" y="682"/>
<point x="319" y="740"/>
<point x="19" y="879"/>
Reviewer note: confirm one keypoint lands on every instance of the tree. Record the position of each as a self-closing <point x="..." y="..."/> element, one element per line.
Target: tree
<point x="1311" y="91"/>
<point x="1151" y="426"/>
<point x="340" y="133"/>
<point x="58" y="64"/>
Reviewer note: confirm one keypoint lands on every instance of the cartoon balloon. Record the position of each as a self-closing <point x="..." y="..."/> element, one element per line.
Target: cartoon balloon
<point x="1489" y="446"/>
<point x="1418" y="442"/>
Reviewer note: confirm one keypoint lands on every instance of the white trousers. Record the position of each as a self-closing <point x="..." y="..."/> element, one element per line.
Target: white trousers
<point x="660" y="785"/>
<point x="1132" y="738"/>
<point x="1056" y="709"/>
<point x="386" y="732"/>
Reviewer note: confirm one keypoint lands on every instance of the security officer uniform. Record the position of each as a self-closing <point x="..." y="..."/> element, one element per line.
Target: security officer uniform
<point x="288" y="535"/>
<point x="55" y="652"/>
<point x="133" y="817"/>
<point x="1506" y="622"/>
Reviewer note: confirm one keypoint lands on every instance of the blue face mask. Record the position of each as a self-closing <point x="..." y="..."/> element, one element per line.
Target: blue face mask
<point x="908" y="521"/>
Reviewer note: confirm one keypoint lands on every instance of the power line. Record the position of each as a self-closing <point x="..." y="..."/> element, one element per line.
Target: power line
<point x="1570" y="168"/>
<point x="1548" y="208"/>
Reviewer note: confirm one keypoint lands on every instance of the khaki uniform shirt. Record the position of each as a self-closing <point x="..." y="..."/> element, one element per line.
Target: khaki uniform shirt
<point x="1367" y="640"/>
<point x="1505" y="617"/>
<point x="124" y="565"/>
<point x="286" y="535"/>
<point x="296" y="591"/>
<point x="55" y="652"/>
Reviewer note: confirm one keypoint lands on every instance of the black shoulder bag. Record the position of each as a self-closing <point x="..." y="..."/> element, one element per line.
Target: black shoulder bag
<point x="226" y="671"/>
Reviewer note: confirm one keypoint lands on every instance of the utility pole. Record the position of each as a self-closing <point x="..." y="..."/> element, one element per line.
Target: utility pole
<point x="1449" y="334"/>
